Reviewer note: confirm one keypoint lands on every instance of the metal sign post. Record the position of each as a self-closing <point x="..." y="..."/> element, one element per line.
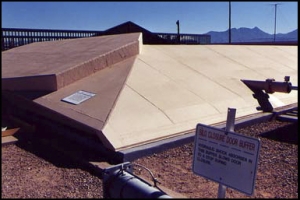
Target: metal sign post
<point x="229" y="127"/>
<point x="226" y="157"/>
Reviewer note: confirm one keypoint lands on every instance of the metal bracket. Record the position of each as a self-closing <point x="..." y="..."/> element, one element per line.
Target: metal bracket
<point x="121" y="167"/>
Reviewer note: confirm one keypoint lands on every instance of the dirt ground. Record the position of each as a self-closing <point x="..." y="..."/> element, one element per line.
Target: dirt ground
<point x="32" y="170"/>
<point x="277" y="171"/>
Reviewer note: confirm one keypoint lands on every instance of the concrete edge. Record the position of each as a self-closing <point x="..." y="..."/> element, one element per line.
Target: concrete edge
<point x="155" y="147"/>
<point x="8" y="140"/>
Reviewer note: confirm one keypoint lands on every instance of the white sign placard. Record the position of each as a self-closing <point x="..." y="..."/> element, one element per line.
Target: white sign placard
<point x="226" y="157"/>
<point x="78" y="97"/>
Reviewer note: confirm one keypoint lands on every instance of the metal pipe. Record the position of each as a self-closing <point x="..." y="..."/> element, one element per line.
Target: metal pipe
<point x="269" y="86"/>
<point x="119" y="182"/>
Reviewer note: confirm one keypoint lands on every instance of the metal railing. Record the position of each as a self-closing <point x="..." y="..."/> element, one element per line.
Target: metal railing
<point x="186" y="38"/>
<point x="14" y="37"/>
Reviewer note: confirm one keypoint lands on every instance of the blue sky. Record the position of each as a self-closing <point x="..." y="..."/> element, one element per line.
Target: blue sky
<point x="196" y="17"/>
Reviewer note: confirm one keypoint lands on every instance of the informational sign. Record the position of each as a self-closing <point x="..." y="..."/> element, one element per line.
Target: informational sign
<point x="78" y="97"/>
<point x="226" y="157"/>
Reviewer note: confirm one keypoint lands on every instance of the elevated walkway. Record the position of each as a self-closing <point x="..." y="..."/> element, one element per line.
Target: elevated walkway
<point x="141" y="94"/>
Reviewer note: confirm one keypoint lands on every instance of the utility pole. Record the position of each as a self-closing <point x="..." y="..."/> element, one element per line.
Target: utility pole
<point x="229" y="35"/>
<point x="275" y="20"/>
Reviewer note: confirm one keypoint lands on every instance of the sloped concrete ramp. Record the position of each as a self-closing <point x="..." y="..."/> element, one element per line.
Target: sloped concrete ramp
<point x="163" y="91"/>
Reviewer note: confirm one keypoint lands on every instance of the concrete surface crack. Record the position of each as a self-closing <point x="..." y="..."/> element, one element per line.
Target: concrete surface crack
<point x="151" y="103"/>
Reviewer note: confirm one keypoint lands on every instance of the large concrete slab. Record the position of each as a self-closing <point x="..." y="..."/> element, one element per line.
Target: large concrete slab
<point x="92" y="113"/>
<point x="165" y="90"/>
<point x="172" y="88"/>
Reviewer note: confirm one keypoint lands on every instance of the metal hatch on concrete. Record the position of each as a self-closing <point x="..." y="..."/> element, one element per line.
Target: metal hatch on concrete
<point x="145" y="93"/>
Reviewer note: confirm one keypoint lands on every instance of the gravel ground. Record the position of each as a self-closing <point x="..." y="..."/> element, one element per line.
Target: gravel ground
<point x="30" y="170"/>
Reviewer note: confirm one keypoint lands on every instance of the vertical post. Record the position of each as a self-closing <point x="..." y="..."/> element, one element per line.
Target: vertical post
<point x="229" y="30"/>
<point x="178" y="34"/>
<point x="275" y="22"/>
<point x="229" y="127"/>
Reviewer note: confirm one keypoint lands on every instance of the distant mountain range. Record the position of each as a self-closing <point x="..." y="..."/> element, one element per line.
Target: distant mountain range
<point x="250" y="35"/>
